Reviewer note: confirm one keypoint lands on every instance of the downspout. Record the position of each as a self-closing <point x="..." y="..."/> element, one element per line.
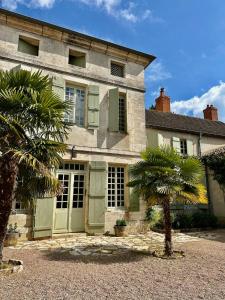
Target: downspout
<point x="210" y="207"/>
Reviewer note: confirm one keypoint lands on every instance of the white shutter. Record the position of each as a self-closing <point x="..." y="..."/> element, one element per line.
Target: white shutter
<point x="190" y="148"/>
<point x="176" y="144"/>
<point x="160" y="140"/>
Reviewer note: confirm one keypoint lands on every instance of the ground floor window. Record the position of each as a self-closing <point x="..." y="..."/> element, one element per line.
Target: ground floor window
<point x="116" y="190"/>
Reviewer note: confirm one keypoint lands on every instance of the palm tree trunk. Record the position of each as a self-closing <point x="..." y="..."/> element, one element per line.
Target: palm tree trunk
<point x="8" y="175"/>
<point x="168" y="227"/>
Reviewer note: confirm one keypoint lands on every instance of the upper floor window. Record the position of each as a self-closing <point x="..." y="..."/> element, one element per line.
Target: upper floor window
<point x="183" y="146"/>
<point x="28" y="45"/>
<point x="77" y="58"/>
<point x="77" y="113"/>
<point x="116" y="186"/>
<point x="117" y="69"/>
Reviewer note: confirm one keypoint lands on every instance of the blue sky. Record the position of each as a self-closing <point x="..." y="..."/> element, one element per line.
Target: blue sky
<point x="186" y="36"/>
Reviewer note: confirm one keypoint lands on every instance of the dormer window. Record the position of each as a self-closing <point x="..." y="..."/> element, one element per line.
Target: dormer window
<point x="117" y="69"/>
<point x="28" y="45"/>
<point x="77" y="58"/>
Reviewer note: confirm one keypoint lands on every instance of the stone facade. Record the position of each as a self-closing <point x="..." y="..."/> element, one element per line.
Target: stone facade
<point x="91" y="145"/>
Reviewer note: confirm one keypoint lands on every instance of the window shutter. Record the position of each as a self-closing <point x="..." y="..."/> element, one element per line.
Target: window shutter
<point x="58" y="86"/>
<point x="114" y="110"/>
<point x="134" y="200"/>
<point x="176" y="144"/>
<point x="97" y="193"/>
<point x="160" y="140"/>
<point x="43" y="218"/>
<point x="93" y="107"/>
<point x="190" y="148"/>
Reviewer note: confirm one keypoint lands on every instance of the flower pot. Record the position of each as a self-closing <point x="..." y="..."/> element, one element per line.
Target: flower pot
<point x="11" y="239"/>
<point x="119" y="230"/>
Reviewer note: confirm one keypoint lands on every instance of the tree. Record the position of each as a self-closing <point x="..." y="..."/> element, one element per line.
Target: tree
<point x="32" y="133"/>
<point x="163" y="176"/>
<point x="216" y="162"/>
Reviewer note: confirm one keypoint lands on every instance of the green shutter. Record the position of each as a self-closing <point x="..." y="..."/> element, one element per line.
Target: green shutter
<point x="134" y="199"/>
<point x="97" y="193"/>
<point x="93" y="107"/>
<point x="58" y="86"/>
<point x="176" y="144"/>
<point x="190" y="150"/>
<point x="43" y="218"/>
<point x="114" y="110"/>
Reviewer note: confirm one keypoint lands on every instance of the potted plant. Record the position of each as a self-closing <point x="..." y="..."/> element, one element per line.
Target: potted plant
<point x="120" y="227"/>
<point x="12" y="236"/>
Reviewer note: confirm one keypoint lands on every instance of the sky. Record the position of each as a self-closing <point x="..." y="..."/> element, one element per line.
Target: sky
<point x="186" y="36"/>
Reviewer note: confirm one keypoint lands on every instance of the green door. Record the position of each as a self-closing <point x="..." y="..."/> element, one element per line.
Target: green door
<point x="69" y="206"/>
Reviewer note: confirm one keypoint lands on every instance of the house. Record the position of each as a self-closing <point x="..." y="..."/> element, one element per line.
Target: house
<point x="189" y="136"/>
<point x="106" y="83"/>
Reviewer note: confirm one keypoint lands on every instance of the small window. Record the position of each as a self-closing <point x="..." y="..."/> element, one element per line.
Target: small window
<point x="183" y="147"/>
<point x="28" y="45"/>
<point x="117" y="69"/>
<point x="122" y="113"/>
<point x="116" y="187"/>
<point x="77" y="58"/>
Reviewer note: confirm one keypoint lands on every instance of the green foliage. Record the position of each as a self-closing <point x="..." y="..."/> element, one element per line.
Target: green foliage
<point x="121" y="222"/>
<point x="163" y="174"/>
<point x="201" y="220"/>
<point x="182" y="221"/>
<point x="32" y="131"/>
<point x="154" y="216"/>
<point x="216" y="162"/>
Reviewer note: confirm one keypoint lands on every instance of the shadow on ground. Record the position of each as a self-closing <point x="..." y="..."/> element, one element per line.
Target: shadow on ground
<point x="212" y="235"/>
<point x="120" y="255"/>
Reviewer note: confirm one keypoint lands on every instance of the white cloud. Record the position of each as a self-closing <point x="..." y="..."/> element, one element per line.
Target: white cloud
<point x="127" y="10"/>
<point x="12" y="4"/>
<point x="195" y="105"/>
<point x="157" y="72"/>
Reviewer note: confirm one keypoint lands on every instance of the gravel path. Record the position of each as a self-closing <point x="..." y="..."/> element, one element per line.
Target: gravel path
<point x="51" y="275"/>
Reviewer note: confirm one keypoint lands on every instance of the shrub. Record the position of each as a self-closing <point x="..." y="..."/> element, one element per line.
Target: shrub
<point x="202" y="220"/>
<point x="182" y="221"/>
<point x="121" y="222"/>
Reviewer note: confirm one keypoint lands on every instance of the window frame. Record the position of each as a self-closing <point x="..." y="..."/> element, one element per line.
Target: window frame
<point x="118" y="63"/>
<point x="183" y="147"/>
<point x="29" y="40"/>
<point x="77" y="87"/>
<point x="73" y="52"/>
<point x="116" y="207"/>
<point x="123" y="97"/>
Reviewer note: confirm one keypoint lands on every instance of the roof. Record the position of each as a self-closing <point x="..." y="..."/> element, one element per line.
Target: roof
<point x="128" y="51"/>
<point x="181" y="123"/>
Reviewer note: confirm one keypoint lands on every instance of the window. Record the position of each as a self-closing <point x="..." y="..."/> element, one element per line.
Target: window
<point x="78" y="191"/>
<point x="117" y="69"/>
<point x="116" y="191"/>
<point x="122" y="113"/>
<point x="72" y="166"/>
<point x="183" y="147"/>
<point x="62" y="200"/>
<point x="28" y="45"/>
<point x="77" y="58"/>
<point x="77" y="97"/>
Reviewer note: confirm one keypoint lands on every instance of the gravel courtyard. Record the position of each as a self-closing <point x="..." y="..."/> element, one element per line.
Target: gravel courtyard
<point x="63" y="273"/>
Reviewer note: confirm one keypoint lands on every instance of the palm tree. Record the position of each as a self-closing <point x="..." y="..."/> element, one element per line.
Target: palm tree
<point x="32" y="133"/>
<point x="163" y="176"/>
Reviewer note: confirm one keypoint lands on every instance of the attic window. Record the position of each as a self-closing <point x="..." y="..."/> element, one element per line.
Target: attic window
<point x="28" y="45"/>
<point x="117" y="69"/>
<point x="77" y="58"/>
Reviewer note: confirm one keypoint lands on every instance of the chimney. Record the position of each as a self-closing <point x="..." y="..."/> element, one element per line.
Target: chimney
<point x="211" y="113"/>
<point x="162" y="102"/>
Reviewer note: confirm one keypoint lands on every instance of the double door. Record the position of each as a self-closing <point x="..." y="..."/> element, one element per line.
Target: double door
<point x="69" y="205"/>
